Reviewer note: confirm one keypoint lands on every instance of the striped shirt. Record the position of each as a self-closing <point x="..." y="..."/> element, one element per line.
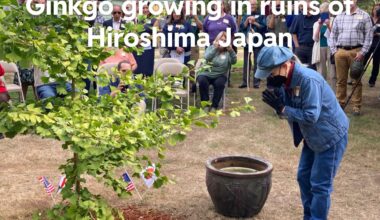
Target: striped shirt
<point x="352" y="30"/>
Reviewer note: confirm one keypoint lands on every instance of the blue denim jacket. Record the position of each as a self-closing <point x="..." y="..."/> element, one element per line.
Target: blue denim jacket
<point x="311" y="103"/>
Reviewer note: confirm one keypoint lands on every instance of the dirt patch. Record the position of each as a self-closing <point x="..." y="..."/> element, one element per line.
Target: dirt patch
<point x="135" y="213"/>
<point x="356" y="187"/>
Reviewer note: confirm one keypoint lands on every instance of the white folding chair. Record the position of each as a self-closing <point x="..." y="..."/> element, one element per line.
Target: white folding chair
<point x="175" y="70"/>
<point x="10" y="70"/>
<point x="157" y="63"/>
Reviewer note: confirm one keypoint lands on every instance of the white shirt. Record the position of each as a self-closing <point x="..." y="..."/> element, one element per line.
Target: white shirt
<point x="116" y="24"/>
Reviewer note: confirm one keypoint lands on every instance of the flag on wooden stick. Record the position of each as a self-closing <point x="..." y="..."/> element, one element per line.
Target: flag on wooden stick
<point x="131" y="186"/>
<point x="49" y="188"/>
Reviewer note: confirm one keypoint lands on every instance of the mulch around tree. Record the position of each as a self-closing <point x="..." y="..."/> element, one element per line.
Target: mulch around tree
<point x="135" y="213"/>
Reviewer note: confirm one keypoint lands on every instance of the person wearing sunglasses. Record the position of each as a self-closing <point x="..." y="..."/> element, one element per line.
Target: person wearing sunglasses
<point x="116" y="22"/>
<point x="304" y="98"/>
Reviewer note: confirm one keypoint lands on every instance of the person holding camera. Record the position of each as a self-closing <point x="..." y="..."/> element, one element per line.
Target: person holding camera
<point x="321" y="53"/>
<point x="220" y="58"/>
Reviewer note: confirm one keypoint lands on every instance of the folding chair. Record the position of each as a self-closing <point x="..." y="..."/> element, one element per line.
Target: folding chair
<point x="10" y="69"/>
<point x="160" y="61"/>
<point x="197" y="66"/>
<point x="157" y="63"/>
<point x="175" y="70"/>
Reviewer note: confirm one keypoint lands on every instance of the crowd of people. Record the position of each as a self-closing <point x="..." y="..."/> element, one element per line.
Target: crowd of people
<point x="304" y="78"/>
<point x="322" y="42"/>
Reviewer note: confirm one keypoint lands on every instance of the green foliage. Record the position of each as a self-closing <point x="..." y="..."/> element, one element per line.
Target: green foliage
<point x="103" y="133"/>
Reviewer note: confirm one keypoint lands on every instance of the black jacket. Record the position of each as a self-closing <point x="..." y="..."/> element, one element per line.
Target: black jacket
<point x="108" y="23"/>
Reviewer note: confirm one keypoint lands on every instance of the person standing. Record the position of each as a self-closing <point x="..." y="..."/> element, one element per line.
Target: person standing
<point x="177" y="24"/>
<point x="277" y="23"/>
<point x="213" y="28"/>
<point x="196" y="22"/>
<point x="302" y="31"/>
<point x="304" y="98"/>
<point x="145" y="61"/>
<point x="374" y="48"/>
<point x="252" y="23"/>
<point x="116" y="22"/>
<point x="351" y="39"/>
<point x="197" y="26"/>
<point x="321" y="53"/>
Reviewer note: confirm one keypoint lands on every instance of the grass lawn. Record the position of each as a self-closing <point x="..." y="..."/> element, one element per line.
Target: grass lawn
<point x="260" y="133"/>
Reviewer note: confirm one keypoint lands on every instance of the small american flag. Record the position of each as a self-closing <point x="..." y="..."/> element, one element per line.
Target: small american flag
<point x="48" y="186"/>
<point x="128" y="179"/>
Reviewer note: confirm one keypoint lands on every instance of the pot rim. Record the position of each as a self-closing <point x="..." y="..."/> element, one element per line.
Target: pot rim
<point x="264" y="172"/>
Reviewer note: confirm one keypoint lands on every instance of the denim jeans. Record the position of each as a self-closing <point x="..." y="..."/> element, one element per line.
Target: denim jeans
<point x="50" y="90"/>
<point x="315" y="176"/>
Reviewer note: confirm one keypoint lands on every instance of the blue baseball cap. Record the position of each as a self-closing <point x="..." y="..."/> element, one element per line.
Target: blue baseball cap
<point x="269" y="58"/>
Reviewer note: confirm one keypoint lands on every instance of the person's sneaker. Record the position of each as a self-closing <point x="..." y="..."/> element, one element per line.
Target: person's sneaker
<point x="242" y="86"/>
<point x="256" y="83"/>
<point x="213" y="109"/>
<point x="356" y="111"/>
<point x="371" y="85"/>
<point x="350" y="83"/>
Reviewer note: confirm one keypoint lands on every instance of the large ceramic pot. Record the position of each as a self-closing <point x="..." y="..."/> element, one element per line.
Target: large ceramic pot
<point x="238" y="193"/>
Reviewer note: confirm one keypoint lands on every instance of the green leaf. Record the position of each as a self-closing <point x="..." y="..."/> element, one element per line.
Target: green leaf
<point x="234" y="114"/>
<point x="49" y="106"/>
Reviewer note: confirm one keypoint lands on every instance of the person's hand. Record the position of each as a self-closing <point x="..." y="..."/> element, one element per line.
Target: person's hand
<point x="229" y="48"/>
<point x="180" y="50"/>
<point x="274" y="101"/>
<point x="332" y="58"/>
<point x="327" y="21"/>
<point x="251" y="19"/>
<point x="121" y="87"/>
<point x="359" y="57"/>
<point x="216" y="44"/>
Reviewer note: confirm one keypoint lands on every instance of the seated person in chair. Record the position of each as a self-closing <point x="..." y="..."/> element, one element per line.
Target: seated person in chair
<point x="47" y="90"/>
<point x="4" y="96"/>
<point x="123" y="67"/>
<point x="221" y="58"/>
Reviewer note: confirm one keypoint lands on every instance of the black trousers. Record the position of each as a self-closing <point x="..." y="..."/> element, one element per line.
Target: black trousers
<point x="375" y="63"/>
<point x="218" y="83"/>
<point x="304" y="53"/>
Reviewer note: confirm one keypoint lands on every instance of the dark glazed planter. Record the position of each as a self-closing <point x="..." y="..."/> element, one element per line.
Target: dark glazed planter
<point x="238" y="194"/>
